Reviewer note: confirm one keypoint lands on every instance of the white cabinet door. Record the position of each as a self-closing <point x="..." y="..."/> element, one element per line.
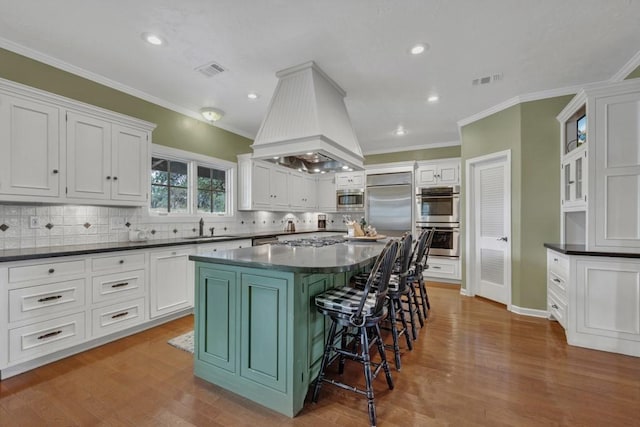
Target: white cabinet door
<point x="326" y="194"/>
<point x="310" y="188"/>
<point x="29" y="148"/>
<point x="88" y="157"/>
<point x="438" y="174"/>
<point x="297" y="191"/>
<point x="574" y="182"/>
<point x="130" y="164"/>
<point x="279" y="183"/>
<point x="616" y="156"/>
<point x="261" y="188"/>
<point x="171" y="281"/>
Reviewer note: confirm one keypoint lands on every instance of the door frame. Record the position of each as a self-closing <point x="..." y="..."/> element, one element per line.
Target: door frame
<point x="471" y="285"/>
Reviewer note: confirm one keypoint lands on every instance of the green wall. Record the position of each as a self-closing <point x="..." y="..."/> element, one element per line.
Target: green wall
<point x="403" y="156"/>
<point x="173" y="129"/>
<point x="634" y="74"/>
<point x="532" y="133"/>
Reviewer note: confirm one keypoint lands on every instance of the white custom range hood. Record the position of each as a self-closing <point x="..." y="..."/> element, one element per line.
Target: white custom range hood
<point x="307" y="125"/>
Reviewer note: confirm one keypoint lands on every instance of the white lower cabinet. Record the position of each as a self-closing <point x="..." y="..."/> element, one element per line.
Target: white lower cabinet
<point x="171" y="281"/>
<point x="442" y="268"/>
<point x="597" y="300"/>
<point x="115" y="317"/>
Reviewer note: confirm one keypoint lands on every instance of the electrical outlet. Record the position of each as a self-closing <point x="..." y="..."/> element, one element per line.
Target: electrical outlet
<point x="34" y="222"/>
<point x="117" y="223"/>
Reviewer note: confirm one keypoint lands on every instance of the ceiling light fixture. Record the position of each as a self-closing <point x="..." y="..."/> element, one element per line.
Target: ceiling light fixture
<point x="345" y="167"/>
<point x="400" y="131"/>
<point x="153" y="39"/>
<point x="418" y="48"/>
<point x="211" y="114"/>
<point x="433" y="98"/>
<point x="253" y="96"/>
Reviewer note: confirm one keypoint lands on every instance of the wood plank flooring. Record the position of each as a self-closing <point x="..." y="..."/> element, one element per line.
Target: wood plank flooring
<point x="474" y="364"/>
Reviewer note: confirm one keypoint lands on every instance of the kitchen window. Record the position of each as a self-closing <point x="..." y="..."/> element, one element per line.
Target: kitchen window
<point x="185" y="184"/>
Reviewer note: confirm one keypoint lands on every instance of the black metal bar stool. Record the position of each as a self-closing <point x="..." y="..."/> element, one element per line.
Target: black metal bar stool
<point x="418" y="265"/>
<point x="363" y="311"/>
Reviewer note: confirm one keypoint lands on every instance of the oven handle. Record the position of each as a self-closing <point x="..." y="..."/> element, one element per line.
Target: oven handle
<point x="422" y="196"/>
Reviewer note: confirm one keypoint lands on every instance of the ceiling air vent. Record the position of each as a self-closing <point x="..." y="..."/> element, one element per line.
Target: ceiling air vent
<point x="484" y="80"/>
<point x="210" y="69"/>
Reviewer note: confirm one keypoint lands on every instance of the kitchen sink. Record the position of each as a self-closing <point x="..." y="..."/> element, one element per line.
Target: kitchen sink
<point x="209" y="237"/>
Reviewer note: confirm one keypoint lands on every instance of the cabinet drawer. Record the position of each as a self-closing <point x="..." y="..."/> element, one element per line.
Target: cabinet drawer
<point x="444" y="268"/>
<point x="557" y="309"/>
<point x="46" y="270"/>
<point x="122" y="262"/>
<point x="116" y="317"/>
<point x="558" y="264"/>
<point x="558" y="285"/>
<point x="46" y="337"/>
<point x="49" y="299"/>
<point x="118" y="285"/>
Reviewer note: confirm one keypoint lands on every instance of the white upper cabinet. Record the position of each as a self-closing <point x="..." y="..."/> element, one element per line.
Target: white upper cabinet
<point x="349" y="180"/>
<point x="302" y="191"/>
<point x="29" y="148"/>
<point x="129" y="163"/>
<point x="600" y="146"/>
<point x="261" y="185"/>
<point x="88" y="157"/>
<point x="326" y="193"/>
<point x="97" y="157"/>
<point x="438" y="173"/>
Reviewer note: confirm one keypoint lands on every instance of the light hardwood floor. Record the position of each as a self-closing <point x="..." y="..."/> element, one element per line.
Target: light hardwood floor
<point x="474" y="364"/>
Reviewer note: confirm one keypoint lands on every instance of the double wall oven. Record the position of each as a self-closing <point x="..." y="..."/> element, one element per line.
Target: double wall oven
<point x="439" y="208"/>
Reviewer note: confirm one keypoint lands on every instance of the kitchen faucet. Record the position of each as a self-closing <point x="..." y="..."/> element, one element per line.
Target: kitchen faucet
<point x="201" y="228"/>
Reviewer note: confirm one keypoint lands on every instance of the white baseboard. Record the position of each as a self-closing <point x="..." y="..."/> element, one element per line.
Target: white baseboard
<point x="465" y="292"/>
<point x="529" y="311"/>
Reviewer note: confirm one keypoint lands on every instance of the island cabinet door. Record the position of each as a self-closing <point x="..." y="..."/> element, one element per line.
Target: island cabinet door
<point x="263" y="337"/>
<point x="318" y="324"/>
<point x="216" y="317"/>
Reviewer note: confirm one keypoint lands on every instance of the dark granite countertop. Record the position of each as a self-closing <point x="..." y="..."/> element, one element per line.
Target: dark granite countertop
<point x="327" y="259"/>
<point x="582" y="250"/>
<point x="87" y="249"/>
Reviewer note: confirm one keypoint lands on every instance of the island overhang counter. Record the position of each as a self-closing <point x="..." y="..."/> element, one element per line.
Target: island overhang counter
<point x="257" y="332"/>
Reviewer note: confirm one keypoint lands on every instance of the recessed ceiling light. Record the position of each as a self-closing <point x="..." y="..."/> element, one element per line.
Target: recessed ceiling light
<point x="400" y="131"/>
<point x="433" y="98"/>
<point x="418" y="48"/>
<point x="275" y="157"/>
<point x="310" y="153"/>
<point x="316" y="170"/>
<point x="253" y="96"/>
<point x="323" y="171"/>
<point x="345" y="167"/>
<point x="153" y="39"/>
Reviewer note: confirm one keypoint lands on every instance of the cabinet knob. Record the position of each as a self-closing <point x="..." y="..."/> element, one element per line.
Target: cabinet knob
<point x="121" y="261"/>
<point x="554" y="306"/>
<point x="55" y="171"/>
<point x="51" y="271"/>
<point x="115" y="178"/>
<point x="108" y="177"/>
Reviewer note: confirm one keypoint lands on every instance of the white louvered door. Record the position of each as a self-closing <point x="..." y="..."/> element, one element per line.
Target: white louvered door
<point x="492" y="230"/>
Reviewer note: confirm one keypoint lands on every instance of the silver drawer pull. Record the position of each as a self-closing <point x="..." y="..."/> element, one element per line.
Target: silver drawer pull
<point x="124" y="313"/>
<point x="557" y="280"/>
<point x="51" y="298"/>
<point x="554" y="306"/>
<point x="119" y="285"/>
<point x="435" y="267"/>
<point x="49" y="335"/>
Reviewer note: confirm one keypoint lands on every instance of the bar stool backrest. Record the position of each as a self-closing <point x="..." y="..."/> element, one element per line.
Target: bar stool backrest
<point x="404" y="260"/>
<point x="379" y="275"/>
<point x="423" y="248"/>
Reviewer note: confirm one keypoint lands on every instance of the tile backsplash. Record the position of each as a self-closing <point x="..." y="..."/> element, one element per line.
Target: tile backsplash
<point x="29" y="226"/>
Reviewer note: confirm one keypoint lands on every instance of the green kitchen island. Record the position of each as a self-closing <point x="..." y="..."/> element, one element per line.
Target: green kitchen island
<point x="257" y="332"/>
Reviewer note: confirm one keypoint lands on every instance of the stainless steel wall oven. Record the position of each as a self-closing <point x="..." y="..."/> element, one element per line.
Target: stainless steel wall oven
<point x="438" y="204"/>
<point x="350" y="200"/>
<point x="446" y="241"/>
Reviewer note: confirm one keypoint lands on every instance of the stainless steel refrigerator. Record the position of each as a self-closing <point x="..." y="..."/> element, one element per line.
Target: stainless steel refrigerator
<point x="389" y="205"/>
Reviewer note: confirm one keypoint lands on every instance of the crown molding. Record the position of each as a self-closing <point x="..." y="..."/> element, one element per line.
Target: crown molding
<point x="626" y="69"/>
<point x="412" y="148"/>
<point x="97" y="78"/>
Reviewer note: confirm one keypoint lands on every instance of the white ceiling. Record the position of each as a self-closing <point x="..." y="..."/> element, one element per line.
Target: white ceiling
<point x="362" y="44"/>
